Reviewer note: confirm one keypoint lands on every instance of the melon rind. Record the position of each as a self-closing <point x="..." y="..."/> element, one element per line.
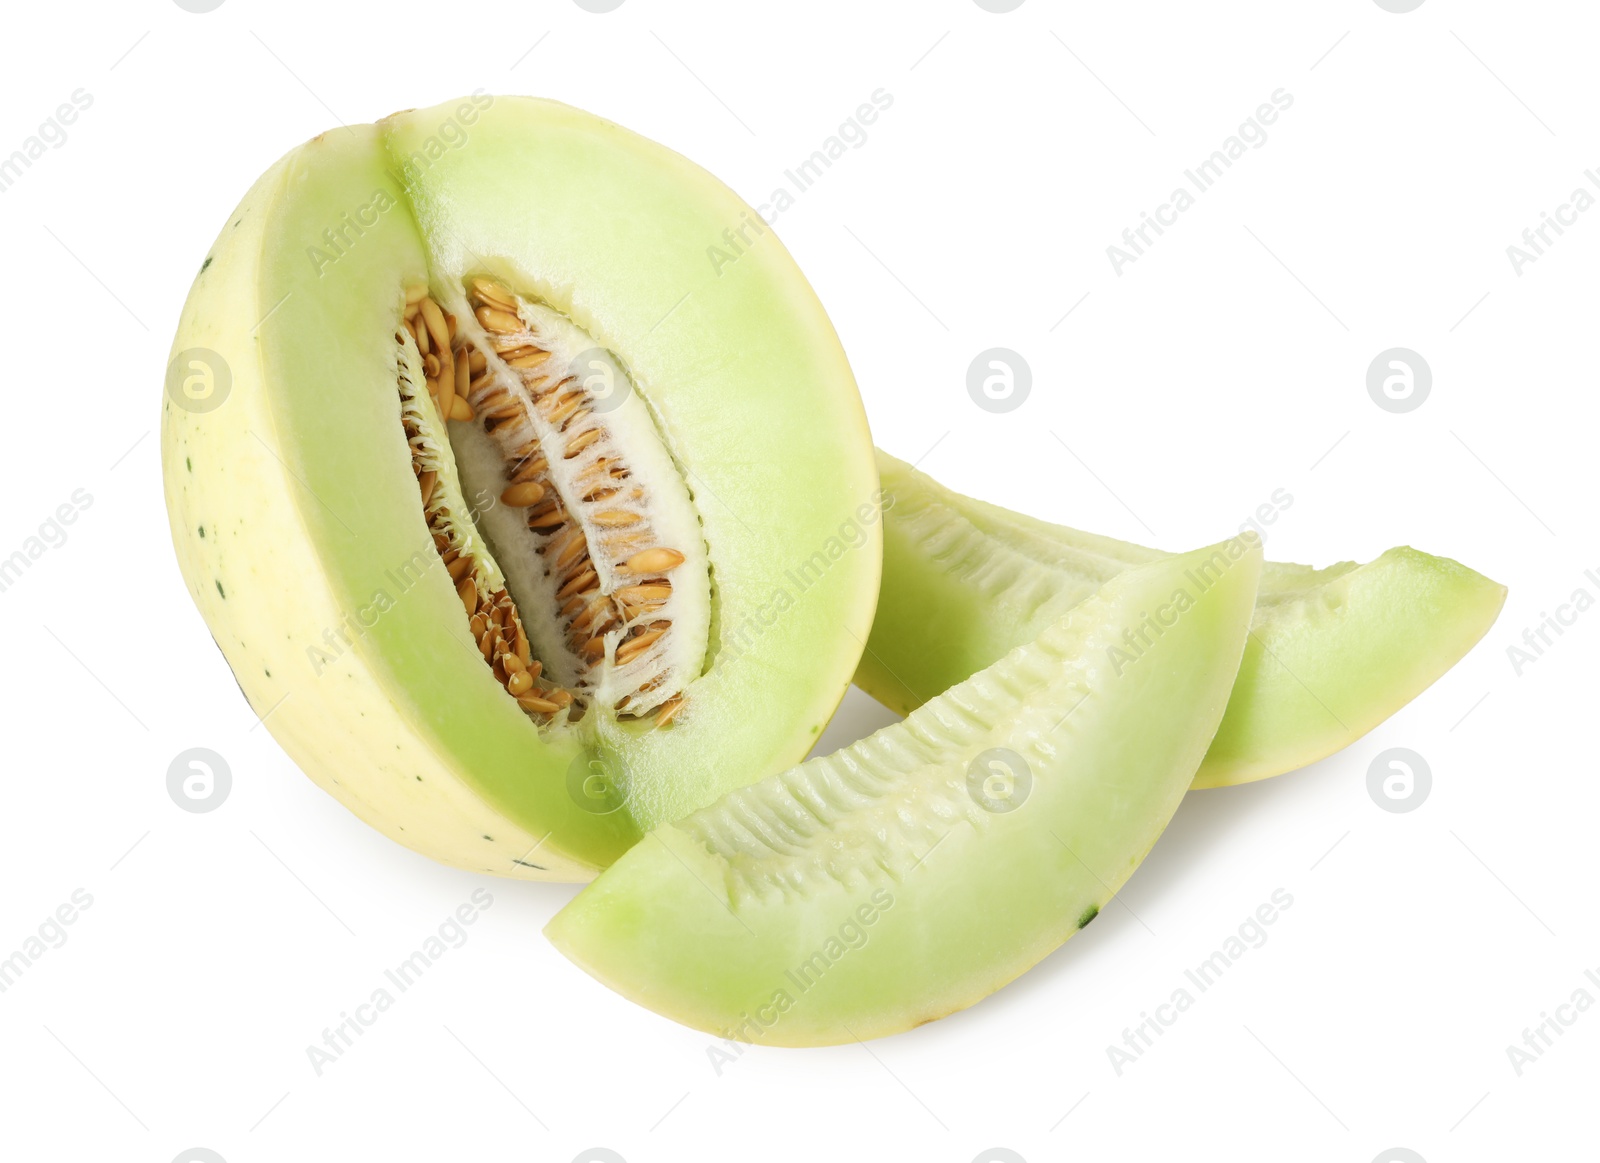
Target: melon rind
<point x="255" y="573"/>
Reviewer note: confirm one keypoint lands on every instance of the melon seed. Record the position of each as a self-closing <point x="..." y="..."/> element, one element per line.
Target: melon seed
<point x="511" y="382"/>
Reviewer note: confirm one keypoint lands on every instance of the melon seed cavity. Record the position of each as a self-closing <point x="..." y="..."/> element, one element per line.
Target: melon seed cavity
<point x="581" y="569"/>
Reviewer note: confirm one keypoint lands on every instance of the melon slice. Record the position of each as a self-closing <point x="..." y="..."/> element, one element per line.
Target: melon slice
<point x="497" y="495"/>
<point x="1332" y="652"/>
<point x="917" y="871"/>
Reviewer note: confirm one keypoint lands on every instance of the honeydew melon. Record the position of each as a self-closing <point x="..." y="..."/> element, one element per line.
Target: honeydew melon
<point x="326" y="487"/>
<point x="915" y="872"/>
<point x="1332" y="652"/>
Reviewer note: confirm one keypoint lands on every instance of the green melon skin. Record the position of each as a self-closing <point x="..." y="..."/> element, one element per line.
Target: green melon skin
<point x="870" y="891"/>
<point x="297" y="522"/>
<point x="1332" y="652"/>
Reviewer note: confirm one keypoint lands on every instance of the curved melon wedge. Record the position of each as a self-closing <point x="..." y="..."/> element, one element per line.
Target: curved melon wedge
<point x="1332" y="652"/>
<point x="873" y="890"/>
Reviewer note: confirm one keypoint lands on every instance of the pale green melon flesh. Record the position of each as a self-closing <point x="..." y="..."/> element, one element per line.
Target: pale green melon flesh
<point x="1332" y="652"/>
<point x="867" y="892"/>
<point x="303" y="483"/>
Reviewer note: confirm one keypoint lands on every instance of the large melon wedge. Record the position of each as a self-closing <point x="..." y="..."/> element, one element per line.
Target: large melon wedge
<point x="517" y="641"/>
<point x="1332" y="652"/>
<point x="917" y="871"/>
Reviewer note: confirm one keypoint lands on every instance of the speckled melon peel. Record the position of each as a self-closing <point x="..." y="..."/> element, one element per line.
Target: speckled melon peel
<point x="1332" y="652"/>
<point x="315" y="569"/>
<point x="872" y="890"/>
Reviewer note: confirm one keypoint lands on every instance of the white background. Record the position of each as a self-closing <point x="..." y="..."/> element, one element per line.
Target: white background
<point x="1228" y="362"/>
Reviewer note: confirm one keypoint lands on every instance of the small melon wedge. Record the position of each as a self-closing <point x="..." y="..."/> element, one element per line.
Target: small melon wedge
<point x="917" y="871"/>
<point x="1332" y="652"/>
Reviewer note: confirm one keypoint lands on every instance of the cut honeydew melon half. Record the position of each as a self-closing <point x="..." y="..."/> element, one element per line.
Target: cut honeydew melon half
<point x="522" y="525"/>
<point x="1332" y="652"/>
<point x="917" y="871"/>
